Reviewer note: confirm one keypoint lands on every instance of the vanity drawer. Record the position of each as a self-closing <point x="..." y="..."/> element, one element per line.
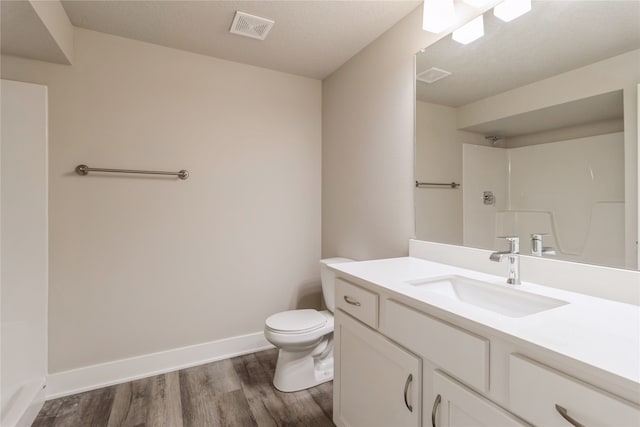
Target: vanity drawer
<point x="535" y="390"/>
<point x="460" y="353"/>
<point x="358" y="302"/>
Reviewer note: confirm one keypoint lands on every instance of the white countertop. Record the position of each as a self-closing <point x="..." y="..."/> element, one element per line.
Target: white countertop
<point x="598" y="332"/>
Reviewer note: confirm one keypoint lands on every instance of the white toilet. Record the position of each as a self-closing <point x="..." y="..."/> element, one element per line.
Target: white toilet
<point x="305" y="339"/>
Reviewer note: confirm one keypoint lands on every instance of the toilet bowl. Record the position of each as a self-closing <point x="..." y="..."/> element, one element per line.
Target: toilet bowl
<point x="305" y="339"/>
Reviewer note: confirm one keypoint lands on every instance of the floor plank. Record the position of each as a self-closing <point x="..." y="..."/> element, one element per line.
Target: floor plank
<point x="84" y="409"/>
<point x="166" y="407"/>
<point x="235" y="392"/>
<point x="270" y="406"/>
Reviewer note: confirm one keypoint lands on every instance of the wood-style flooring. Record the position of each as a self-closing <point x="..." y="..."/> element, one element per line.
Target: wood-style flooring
<point x="233" y="392"/>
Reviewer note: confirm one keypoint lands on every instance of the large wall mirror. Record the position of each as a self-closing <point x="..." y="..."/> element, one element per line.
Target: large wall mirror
<point x="537" y="122"/>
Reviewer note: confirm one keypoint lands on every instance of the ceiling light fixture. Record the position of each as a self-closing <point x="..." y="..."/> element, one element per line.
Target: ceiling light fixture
<point x="509" y="10"/>
<point x="437" y="15"/>
<point x="469" y="32"/>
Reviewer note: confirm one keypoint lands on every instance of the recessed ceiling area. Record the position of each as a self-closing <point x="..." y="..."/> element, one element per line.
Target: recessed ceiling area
<point x="594" y="109"/>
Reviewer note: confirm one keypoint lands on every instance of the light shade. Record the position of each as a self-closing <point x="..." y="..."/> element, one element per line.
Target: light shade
<point x="437" y="15"/>
<point x="470" y="31"/>
<point x="509" y="10"/>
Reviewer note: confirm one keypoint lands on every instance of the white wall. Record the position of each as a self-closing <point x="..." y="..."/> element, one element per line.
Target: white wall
<point x="142" y="264"/>
<point x="23" y="261"/>
<point x="438" y="158"/>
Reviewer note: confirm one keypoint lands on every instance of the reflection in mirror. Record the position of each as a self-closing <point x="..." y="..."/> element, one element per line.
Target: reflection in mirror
<point x="538" y="122"/>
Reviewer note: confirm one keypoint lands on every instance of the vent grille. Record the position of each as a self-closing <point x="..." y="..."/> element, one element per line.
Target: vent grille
<point x="433" y="74"/>
<point x="252" y="26"/>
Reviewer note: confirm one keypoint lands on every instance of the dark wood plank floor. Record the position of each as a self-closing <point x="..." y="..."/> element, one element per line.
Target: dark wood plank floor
<point x="233" y="392"/>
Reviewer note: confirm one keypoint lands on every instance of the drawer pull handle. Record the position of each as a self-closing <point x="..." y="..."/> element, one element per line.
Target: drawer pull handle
<point x="352" y="301"/>
<point x="406" y="391"/>
<point x="434" y="411"/>
<point x="562" y="411"/>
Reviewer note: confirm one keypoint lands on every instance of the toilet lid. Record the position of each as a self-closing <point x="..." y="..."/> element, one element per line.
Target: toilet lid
<point x="295" y="321"/>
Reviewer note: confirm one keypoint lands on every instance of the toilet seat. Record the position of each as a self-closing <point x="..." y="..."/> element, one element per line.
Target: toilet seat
<point x="296" y="321"/>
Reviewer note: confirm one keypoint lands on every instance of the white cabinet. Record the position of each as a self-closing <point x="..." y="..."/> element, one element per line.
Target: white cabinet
<point x="456" y="405"/>
<point x="481" y="378"/>
<point x="377" y="383"/>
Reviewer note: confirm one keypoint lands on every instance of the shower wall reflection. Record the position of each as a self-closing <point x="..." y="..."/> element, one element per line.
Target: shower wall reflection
<point x="570" y="190"/>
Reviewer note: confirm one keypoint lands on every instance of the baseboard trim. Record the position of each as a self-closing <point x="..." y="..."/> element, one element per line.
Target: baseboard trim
<point x="105" y="374"/>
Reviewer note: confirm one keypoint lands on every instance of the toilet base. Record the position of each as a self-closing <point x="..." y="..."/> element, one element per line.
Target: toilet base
<point x="299" y="370"/>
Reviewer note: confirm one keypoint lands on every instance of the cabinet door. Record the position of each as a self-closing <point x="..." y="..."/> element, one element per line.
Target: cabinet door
<point x="377" y="383"/>
<point x="458" y="406"/>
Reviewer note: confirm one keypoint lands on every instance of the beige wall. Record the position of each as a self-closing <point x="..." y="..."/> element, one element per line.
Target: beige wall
<point x="367" y="144"/>
<point x="367" y="148"/>
<point x="439" y="159"/>
<point x="143" y="264"/>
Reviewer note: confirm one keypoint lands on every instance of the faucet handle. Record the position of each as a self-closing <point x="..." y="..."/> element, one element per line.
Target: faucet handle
<point x="514" y="243"/>
<point x="539" y="236"/>
<point x="536" y="245"/>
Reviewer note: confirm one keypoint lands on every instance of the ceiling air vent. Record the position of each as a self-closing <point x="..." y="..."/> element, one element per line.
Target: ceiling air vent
<point x="433" y="74"/>
<point x="251" y="26"/>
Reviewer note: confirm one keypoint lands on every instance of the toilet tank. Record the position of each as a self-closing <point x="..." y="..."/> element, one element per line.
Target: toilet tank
<point x="328" y="278"/>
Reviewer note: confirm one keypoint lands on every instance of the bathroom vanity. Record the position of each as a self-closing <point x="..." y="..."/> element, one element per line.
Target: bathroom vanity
<point x="419" y="343"/>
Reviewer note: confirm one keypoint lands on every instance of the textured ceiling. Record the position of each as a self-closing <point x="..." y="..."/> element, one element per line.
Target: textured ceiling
<point x="309" y="38"/>
<point x="555" y="37"/>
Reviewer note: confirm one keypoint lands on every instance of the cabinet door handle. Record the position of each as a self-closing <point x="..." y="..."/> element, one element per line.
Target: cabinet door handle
<point x="434" y="411"/>
<point x="352" y="301"/>
<point x="562" y="411"/>
<point x="406" y="391"/>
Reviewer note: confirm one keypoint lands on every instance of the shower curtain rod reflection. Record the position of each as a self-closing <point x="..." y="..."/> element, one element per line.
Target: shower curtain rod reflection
<point x="84" y="170"/>
<point x="437" y="184"/>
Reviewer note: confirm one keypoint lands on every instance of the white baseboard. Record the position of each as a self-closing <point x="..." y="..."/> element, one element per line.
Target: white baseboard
<point x="133" y="368"/>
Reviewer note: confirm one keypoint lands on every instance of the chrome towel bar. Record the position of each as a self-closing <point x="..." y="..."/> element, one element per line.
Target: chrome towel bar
<point x="84" y="170"/>
<point x="437" y="184"/>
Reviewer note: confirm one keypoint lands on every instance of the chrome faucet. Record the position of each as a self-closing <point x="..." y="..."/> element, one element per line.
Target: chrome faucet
<point x="513" y="256"/>
<point x="537" y="248"/>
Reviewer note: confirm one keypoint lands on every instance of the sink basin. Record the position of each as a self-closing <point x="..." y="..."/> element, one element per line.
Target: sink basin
<point x="497" y="298"/>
